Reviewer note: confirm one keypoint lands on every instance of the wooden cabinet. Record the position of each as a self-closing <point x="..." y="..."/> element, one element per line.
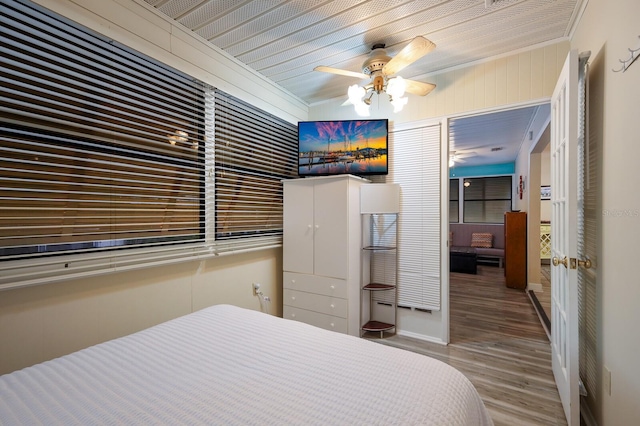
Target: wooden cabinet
<point x="321" y="252"/>
<point x="515" y="249"/>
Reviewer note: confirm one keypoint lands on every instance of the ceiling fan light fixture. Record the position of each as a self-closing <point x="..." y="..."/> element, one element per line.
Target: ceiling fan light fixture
<point x="396" y="87"/>
<point x="380" y="68"/>
<point x="356" y="93"/>
<point x="399" y="103"/>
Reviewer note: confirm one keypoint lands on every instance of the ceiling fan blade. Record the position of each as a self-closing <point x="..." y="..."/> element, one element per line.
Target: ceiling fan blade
<point x="418" y="88"/>
<point x="341" y="72"/>
<point x="416" y="49"/>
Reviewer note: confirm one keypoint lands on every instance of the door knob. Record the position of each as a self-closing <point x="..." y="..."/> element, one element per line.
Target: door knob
<point x="557" y="261"/>
<point x="586" y="264"/>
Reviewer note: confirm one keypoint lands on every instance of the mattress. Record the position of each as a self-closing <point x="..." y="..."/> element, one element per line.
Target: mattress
<point x="226" y="365"/>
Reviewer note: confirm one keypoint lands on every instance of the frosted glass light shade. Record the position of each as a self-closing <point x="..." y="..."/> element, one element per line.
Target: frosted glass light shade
<point x="356" y="93"/>
<point x="396" y="87"/>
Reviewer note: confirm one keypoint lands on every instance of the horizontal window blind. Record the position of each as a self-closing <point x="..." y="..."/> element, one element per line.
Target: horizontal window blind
<point x="415" y="165"/>
<point x="486" y="199"/>
<point x="454" y="200"/>
<point x="254" y="152"/>
<point x="100" y="148"/>
<point x="587" y="238"/>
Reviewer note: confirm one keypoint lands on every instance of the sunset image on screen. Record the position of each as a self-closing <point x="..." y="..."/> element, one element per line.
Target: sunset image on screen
<point x="334" y="147"/>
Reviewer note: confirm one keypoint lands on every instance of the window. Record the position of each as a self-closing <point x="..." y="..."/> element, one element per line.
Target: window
<point x="454" y="200"/>
<point x="103" y="148"/>
<point x="486" y="199"/>
<point x="254" y="152"/>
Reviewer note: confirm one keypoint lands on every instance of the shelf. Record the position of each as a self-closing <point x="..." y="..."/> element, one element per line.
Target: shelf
<point x="377" y="287"/>
<point x="377" y="326"/>
<point x="379" y="273"/>
<point x="372" y="248"/>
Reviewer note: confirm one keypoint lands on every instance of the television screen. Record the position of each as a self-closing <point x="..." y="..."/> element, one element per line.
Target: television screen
<point x="357" y="147"/>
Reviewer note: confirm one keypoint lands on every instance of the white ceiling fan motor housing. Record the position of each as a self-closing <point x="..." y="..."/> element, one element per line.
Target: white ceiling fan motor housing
<point x="377" y="59"/>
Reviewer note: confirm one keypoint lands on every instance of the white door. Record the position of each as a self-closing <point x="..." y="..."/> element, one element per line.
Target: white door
<point x="564" y="207"/>
<point x="298" y="227"/>
<point x="331" y="228"/>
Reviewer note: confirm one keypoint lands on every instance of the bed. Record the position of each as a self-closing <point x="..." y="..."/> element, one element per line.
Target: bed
<point x="227" y="365"/>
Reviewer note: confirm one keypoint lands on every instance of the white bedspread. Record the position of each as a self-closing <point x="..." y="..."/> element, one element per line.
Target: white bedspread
<point x="225" y="365"/>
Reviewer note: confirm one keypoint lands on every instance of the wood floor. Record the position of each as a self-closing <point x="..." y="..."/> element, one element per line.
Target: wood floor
<point x="498" y="342"/>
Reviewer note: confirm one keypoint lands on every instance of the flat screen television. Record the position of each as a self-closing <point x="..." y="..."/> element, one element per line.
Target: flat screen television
<point x="358" y="147"/>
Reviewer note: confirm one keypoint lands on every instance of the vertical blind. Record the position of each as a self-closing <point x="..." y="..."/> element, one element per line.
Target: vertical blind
<point x="254" y="152"/>
<point x="415" y="165"/>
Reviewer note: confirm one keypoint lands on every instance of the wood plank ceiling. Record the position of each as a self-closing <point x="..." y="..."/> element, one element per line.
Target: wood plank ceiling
<point x="285" y="39"/>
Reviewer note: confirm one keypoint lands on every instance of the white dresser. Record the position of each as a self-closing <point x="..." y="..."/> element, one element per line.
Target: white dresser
<point x="321" y="252"/>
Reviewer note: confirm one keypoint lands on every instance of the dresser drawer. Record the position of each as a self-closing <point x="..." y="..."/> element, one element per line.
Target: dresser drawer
<point x="333" y="306"/>
<point x="315" y="284"/>
<point x="317" y="319"/>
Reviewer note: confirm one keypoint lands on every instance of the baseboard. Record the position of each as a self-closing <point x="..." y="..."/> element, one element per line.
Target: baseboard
<point x="537" y="287"/>
<point x="542" y="315"/>
<point x="421" y="337"/>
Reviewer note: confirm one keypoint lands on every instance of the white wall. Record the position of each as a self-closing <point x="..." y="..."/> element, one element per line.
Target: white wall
<point x="41" y="322"/>
<point x="608" y="29"/>
<point x="514" y="80"/>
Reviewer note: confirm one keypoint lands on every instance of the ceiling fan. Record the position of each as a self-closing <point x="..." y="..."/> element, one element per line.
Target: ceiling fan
<point x="459" y="156"/>
<point x="381" y="68"/>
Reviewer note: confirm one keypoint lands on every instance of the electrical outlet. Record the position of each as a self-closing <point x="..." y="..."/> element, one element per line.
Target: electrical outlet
<point x="606" y="381"/>
<point x="256" y="288"/>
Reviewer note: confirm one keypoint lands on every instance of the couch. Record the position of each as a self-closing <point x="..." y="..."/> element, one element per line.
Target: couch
<point x="460" y="235"/>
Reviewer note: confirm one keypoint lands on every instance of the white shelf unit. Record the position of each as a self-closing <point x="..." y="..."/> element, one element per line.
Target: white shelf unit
<point x="379" y="207"/>
<point x="321" y="252"/>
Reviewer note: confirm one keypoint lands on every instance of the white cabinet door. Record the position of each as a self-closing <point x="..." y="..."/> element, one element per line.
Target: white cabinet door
<point x="299" y="228"/>
<point x="331" y="228"/>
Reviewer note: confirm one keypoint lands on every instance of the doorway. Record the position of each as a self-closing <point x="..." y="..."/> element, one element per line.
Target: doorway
<point x="499" y="143"/>
<point x="540" y="174"/>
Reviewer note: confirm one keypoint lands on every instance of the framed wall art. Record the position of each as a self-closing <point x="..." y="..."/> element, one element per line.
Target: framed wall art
<point x="545" y="192"/>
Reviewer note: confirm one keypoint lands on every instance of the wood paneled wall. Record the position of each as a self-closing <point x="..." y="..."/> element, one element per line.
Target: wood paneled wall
<point x="510" y="80"/>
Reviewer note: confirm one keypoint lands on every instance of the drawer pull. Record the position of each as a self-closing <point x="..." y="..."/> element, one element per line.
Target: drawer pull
<point x="293" y="315"/>
<point x="332" y="306"/>
<point x="333" y="287"/>
<point x="293" y="298"/>
<point x="332" y="325"/>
